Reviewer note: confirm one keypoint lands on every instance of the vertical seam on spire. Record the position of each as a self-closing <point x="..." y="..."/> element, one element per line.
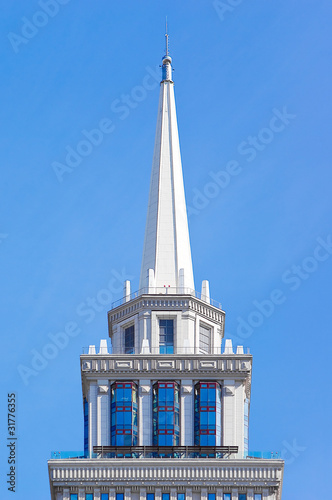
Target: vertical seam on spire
<point x="159" y="177"/>
<point x="170" y="138"/>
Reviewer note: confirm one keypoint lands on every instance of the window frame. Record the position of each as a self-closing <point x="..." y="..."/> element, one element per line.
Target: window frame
<point x="124" y="328"/>
<point x="167" y="344"/>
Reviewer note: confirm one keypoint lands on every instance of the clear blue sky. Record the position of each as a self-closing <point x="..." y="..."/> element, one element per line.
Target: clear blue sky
<point x="264" y="230"/>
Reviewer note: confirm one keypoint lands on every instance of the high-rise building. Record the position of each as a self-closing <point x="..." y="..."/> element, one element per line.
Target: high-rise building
<point x="166" y="414"/>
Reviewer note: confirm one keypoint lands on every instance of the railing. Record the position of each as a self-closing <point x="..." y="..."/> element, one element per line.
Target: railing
<point x="263" y="454"/>
<point x="224" y="452"/>
<point x="193" y="351"/>
<point x="68" y="454"/>
<point x="166" y="290"/>
<point x="150" y="452"/>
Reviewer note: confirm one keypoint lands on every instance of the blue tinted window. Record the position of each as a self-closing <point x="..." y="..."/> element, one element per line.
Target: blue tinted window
<point x="89" y="496"/>
<point x="242" y="496"/>
<point x="166" y="336"/>
<point x="227" y="496"/>
<point x="165" y="496"/>
<point x="207" y="421"/>
<point x="73" y="496"/>
<point x="211" y="496"/>
<point x="258" y="496"/>
<point x="166" y="410"/>
<point x="181" y="496"/>
<point x="150" y="496"/>
<point x="119" y="496"/>
<point x="129" y="340"/>
<point x="124" y="414"/>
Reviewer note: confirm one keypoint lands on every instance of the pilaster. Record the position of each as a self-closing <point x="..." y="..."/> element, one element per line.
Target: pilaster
<point x="145" y="413"/>
<point x="187" y="413"/>
<point x="103" y="413"/>
<point x="229" y="422"/>
<point x="93" y="416"/>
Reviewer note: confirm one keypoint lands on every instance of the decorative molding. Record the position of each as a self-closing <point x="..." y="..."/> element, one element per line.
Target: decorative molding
<point x="224" y="472"/>
<point x="124" y="364"/>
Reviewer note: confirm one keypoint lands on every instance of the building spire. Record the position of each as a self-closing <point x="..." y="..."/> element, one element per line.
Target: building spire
<point x="166" y="37"/>
<point x="167" y="259"/>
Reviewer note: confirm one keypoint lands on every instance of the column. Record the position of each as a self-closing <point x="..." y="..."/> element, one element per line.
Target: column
<point x="142" y="494"/>
<point x="239" y="417"/>
<point x="235" y="494"/>
<point x="189" y="493"/>
<point x="103" y="413"/>
<point x="266" y="494"/>
<point x="187" y="413"/>
<point x="127" y="494"/>
<point x="220" y="494"/>
<point x="145" y="413"/>
<point x="92" y="416"/>
<point x="250" y="494"/>
<point x="174" y="494"/>
<point x="96" y="494"/>
<point x="228" y="394"/>
<point x="204" y="494"/>
<point x="81" y="494"/>
<point x="66" y="495"/>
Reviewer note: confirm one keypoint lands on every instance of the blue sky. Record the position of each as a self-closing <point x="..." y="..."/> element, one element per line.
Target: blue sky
<point x="254" y="110"/>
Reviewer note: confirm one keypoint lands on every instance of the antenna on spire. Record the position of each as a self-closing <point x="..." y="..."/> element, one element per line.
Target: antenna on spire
<point x="166" y="37"/>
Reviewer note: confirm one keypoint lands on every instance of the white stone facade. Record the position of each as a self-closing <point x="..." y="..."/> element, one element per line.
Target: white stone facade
<point x="232" y="372"/>
<point x="194" y="477"/>
<point x="187" y="311"/>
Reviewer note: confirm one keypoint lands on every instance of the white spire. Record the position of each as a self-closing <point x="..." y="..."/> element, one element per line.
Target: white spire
<point x="167" y="255"/>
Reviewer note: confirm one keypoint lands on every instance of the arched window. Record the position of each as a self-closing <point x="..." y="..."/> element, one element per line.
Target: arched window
<point x="124" y="414"/>
<point x="166" y="414"/>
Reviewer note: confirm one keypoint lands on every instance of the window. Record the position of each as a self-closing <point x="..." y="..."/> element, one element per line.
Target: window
<point x="166" y="414"/>
<point x="204" y="338"/>
<point x="166" y="336"/>
<point x="119" y="496"/>
<point x="129" y="340"/>
<point x="211" y="496"/>
<point x="242" y="496"/>
<point x="207" y="414"/>
<point x="181" y="496"/>
<point x="124" y="414"/>
<point x="227" y="496"/>
<point x="104" y="496"/>
<point x="165" y="496"/>
<point x="89" y="496"/>
<point x="150" y="496"/>
<point x="258" y="496"/>
<point x="73" y="496"/>
<point x="86" y="427"/>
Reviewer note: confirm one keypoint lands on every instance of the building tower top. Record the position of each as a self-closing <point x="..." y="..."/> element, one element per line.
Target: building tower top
<point x="166" y="258"/>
